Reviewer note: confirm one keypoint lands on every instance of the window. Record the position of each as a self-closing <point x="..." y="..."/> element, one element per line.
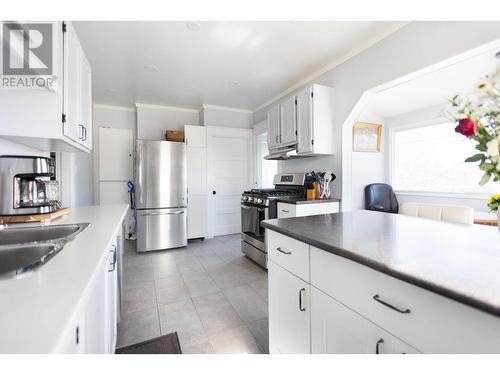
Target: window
<point x="431" y="159"/>
<point x="266" y="169"/>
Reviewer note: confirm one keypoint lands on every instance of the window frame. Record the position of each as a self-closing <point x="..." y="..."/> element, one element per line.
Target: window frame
<point x="391" y="165"/>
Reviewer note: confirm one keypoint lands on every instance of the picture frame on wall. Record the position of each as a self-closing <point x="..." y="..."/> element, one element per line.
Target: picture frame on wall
<point x="366" y="137"/>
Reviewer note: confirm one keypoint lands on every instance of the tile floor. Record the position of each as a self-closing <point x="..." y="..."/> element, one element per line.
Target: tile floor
<point x="210" y="293"/>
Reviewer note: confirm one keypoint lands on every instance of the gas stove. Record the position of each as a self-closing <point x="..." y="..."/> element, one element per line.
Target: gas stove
<point x="285" y="186"/>
<point x="261" y="204"/>
<point x="263" y="197"/>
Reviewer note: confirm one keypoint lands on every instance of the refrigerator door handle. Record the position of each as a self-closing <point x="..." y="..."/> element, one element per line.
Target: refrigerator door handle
<point x="162" y="213"/>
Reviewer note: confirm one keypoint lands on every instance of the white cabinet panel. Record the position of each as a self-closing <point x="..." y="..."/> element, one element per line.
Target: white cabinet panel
<point x="304" y="122"/>
<point x="195" y="135"/>
<point x="115" y="154"/>
<point x="197" y="216"/>
<point x="286" y="210"/>
<point x="297" y="210"/>
<point x="288" y="122"/>
<point x="96" y="314"/>
<point x="196" y="170"/>
<point x="335" y="329"/>
<point x="425" y="320"/>
<point x="273" y="127"/>
<point x="288" y="253"/>
<point x="112" y="298"/>
<point x="289" y="312"/>
<point x="72" y="62"/>
<point x="85" y="101"/>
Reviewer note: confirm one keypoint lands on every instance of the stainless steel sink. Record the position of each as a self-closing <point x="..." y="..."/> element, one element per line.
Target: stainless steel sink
<point x="22" y="249"/>
<point x="21" y="258"/>
<point x="39" y="234"/>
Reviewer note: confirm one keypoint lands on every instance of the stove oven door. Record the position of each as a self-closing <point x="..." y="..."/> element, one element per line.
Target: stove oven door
<point x="251" y="216"/>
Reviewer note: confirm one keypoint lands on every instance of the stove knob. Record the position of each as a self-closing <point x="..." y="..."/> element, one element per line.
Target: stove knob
<point x="251" y="199"/>
<point x="259" y="201"/>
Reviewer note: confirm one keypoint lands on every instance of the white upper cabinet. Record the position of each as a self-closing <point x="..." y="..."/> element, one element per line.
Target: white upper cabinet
<point x="315" y="121"/>
<point x="304" y="120"/>
<point x="273" y="127"/>
<point x="85" y="111"/>
<point x="57" y="117"/>
<point x="288" y="122"/>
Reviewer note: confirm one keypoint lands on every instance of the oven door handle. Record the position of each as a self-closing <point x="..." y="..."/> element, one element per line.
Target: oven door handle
<point x="252" y="207"/>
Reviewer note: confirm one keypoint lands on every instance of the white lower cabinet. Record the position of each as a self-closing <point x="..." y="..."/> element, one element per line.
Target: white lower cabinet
<point x="351" y="308"/>
<point x="289" y="312"/>
<point x="338" y="329"/>
<point x="297" y="210"/>
<point x="94" y="328"/>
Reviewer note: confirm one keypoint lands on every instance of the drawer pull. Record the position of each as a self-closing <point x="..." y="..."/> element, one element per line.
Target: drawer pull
<point x="285" y="211"/>
<point x="300" y="299"/>
<point x="377" y="298"/>
<point x="377" y="346"/>
<point x="283" y="251"/>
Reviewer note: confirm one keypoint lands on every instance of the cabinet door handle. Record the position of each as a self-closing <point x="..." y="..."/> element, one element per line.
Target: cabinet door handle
<point x="300" y="299"/>
<point x="77" y="335"/>
<point x="80" y="131"/>
<point x="277" y="139"/>
<point x="283" y="251"/>
<point x="114" y="259"/>
<point x="377" y="346"/>
<point x="84" y="133"/>
<point x="377" y="298"/>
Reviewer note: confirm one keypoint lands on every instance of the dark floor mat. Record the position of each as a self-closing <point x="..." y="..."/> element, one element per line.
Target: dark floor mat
<point x="167" y="344"/>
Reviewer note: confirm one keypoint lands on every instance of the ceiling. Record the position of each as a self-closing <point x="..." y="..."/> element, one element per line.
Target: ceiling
<point x="437" y="84"/>
<point x="232" y="64"/>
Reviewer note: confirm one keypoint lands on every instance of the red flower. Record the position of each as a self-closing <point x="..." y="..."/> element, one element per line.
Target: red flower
<point x="467" y="127"/>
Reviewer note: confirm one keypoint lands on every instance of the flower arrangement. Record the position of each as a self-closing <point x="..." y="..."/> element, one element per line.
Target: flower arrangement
<point x="494" y="202"/>
<point x="478" y="118"/>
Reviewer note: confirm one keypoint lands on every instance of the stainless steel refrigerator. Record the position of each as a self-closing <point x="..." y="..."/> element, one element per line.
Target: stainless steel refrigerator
<point x="161" y="204"/>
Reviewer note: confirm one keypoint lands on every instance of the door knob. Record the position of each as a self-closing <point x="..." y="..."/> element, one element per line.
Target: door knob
<point x="214" y="192"/>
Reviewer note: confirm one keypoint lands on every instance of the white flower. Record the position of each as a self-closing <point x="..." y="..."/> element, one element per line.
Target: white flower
<point x="493" y="148"/>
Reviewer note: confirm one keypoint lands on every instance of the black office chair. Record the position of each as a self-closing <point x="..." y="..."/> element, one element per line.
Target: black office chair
<point x="381" y="197"/>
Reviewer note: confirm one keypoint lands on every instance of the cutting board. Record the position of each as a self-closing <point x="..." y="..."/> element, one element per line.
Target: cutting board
<point x="11" y="219"/>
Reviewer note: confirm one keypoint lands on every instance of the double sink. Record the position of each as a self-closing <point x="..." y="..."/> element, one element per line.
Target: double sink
<point x="22" y="249"/>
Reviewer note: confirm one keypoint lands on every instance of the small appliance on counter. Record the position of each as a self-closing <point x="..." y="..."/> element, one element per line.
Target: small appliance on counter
<point x="26" y="187"/>
<point x="261" y="204"/>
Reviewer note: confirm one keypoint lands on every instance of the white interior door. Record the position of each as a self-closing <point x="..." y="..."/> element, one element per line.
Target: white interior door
<point x="230" y="172"/>
<point x="115" y="164"/>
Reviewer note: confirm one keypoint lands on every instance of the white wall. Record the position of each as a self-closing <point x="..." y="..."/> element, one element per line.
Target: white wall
<point x="230" y="117"/>
<point x="368" y="167"/>
<point x="152" y="121"/>
<point x="413" y="47"/>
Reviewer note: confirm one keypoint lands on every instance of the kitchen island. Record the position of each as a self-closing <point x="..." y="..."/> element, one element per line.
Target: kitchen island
<point x="370" y="282"/>
<point x="71" y="303"/>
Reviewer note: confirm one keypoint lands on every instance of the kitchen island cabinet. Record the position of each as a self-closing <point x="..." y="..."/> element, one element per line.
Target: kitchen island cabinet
<point x="386" y="283"/>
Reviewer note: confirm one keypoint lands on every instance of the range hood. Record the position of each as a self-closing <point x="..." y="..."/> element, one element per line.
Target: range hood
<point x="286" y="153"/>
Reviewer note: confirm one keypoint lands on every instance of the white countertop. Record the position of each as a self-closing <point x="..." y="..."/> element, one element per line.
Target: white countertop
<point x="35" y="307"/>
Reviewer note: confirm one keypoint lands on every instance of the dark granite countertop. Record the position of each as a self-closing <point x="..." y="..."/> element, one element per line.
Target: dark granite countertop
<point x="306" y="201"/>
<point x="459" y="261"/>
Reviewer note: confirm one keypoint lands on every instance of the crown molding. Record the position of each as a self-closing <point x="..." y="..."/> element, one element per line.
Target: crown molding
<point x="114" y="107"/>
<point x="228" y="109"/>
<point x="335" y="63"/>
<point x="166" y="108"/>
